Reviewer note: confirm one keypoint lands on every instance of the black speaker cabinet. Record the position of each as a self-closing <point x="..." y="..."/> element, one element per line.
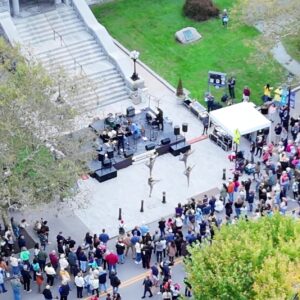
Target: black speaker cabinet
<point x="106" y="163"/>
<point x="150" y="146"/>
<point x="185" y="127"/>
<point x="176" y="130"/>
<point x="165" y="141"/>
<point x="101" y="156"/>
<point x="130" y="111"/>
<point x="110" y="153"/>
<point x="128" y="153"/>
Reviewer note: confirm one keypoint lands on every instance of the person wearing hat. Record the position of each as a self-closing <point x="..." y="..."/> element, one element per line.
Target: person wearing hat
<point x="47" y="293"/>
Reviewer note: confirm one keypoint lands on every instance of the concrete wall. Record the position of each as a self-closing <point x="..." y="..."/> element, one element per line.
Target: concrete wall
<point x="9" y="28"/>
<point x="115" y="55"/>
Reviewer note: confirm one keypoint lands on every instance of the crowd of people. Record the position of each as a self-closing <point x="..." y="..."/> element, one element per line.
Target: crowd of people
<point x="91" y="265"/>
<point x="265" y="182"/>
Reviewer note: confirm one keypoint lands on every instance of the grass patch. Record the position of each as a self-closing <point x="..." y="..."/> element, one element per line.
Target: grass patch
<point x="150" y="26"/>
<point x="292" y="46"/>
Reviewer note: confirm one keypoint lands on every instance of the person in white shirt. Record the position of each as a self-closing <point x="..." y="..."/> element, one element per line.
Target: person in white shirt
<point x="95" y="285"/>
<point x="79" y="282"/>
<point x="63" y="263"/>
<point x="14" y="262"/>
<point x="138" y="252"/>
<point x="50" y="273"/>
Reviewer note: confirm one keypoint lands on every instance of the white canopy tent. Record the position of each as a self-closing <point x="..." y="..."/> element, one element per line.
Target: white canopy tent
<point x="242" y="116"/>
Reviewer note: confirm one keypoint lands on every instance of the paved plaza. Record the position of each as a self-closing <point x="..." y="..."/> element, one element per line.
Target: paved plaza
<point x="97" y="204"/>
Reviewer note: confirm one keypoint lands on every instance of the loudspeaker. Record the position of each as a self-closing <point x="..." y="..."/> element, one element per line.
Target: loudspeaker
<point x="130" y="111"/>
<point x="165" y="141"/>
<point x="110" y="153"/>
<point x="150" y="146"/>
<point x="128" y="153"/>
<point x="185" y="127"/>
<point x="176" y="130"/>
<point x="106" y="163"/>
<point x="101" y="156"/>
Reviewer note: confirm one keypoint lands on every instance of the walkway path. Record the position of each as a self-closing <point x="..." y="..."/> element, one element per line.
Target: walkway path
<point x="285" y="59"/>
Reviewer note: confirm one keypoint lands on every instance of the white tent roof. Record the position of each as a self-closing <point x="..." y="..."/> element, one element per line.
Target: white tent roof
<point x="242" y="116"/>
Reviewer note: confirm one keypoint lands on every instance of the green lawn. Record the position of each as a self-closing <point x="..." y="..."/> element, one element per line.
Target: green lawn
<point x="292" y="45"/>
<point x="149" y="26"/>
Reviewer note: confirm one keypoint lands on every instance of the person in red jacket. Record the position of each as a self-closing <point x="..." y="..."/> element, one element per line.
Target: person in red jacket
<point x="54" y="259"/>
<point x="112" y="260"/>
<point x="246" y="94"/>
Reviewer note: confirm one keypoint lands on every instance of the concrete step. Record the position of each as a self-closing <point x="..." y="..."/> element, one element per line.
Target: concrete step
<point x="37" y="40"/>
<point x="69" y="61"/>
<point x="92" y="106"/>
<point x="76" y="44"/>
<point x="48" y="30"/>
<point x="76" y="52"/>
<point x="115" y="77"/>
<point x="103" y="94"/>
<point x="103" y="98"/>
<point x="43" y="27"/>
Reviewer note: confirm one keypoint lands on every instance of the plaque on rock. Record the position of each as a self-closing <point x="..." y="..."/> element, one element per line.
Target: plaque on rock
<point x="187" y="35"/>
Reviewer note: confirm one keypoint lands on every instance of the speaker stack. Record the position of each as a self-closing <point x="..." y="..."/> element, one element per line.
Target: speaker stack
<point x="185" y="127"/>
<point x="176" y="130"/>
<point x="101" y="156"/>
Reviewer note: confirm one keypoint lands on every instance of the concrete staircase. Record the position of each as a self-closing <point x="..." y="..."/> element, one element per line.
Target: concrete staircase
<point x="59" y="38"/>
<point x="4" y="5"/>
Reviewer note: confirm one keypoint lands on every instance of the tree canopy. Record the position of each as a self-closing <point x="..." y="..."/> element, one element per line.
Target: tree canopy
<point x="31" y="170"/>
<point x="249" y="260"/>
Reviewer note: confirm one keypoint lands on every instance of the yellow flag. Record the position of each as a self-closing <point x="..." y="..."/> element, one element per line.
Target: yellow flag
<point x="237" y="136"/>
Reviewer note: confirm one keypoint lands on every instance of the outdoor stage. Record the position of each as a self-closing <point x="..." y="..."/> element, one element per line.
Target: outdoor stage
<point x="152" y="139"/>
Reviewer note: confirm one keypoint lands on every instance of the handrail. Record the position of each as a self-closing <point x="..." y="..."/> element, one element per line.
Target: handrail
<point x="63" y="43"/>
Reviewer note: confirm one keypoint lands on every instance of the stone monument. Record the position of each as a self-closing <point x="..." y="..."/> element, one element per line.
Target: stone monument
<point x="187" y="35"/>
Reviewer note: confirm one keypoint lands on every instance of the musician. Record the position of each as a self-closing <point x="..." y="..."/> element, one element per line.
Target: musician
<point x="136" y="131"/>
<point x="120" y="138"/>
<point x="104" y="136"/>
<point x="160" y="118"/>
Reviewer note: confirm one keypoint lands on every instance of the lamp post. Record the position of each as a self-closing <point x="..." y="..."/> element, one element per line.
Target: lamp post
<point x="134" y="55"/>
<point x="289" y="80"/>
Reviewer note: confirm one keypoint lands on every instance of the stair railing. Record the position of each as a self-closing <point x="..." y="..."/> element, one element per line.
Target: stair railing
<point x="82" y="72"/>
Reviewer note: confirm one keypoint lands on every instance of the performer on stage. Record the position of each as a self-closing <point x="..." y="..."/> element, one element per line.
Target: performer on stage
<point x="185" y="156"/>
<point x="120" y="139"/>
<point x="150" y="163"/>
<point x="136" y="131"/>
<point x="187" y="173"/>
<point x="160" y="118"/>
<point x="151" y="183"/>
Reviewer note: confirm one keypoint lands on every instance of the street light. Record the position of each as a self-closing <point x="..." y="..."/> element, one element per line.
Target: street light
<point x="289" y="80"/>
<point x="134" y="55"/>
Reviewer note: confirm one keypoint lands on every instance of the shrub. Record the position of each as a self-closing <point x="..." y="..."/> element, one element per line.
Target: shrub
<point x="179" y="90"/>
<point x="200" y="10"/>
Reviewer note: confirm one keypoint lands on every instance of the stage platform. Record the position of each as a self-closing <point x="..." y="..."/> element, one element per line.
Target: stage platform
<point x="152" y="140"/>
